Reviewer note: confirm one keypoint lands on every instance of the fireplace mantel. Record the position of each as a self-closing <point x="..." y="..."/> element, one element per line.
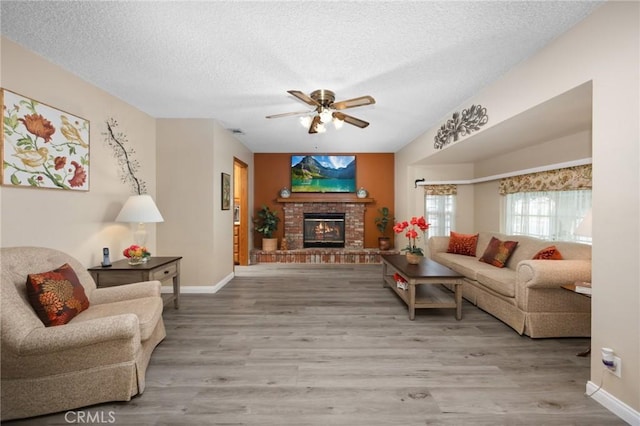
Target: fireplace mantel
<point x="325" y="199"/>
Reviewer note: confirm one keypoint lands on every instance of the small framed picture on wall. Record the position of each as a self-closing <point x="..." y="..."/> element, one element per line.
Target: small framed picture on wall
<point x="226" y="191"/>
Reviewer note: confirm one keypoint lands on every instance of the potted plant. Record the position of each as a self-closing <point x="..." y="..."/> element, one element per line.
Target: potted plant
<point x="413" y="252"/>
<point x="384" y="242"/>
<point x="266" y="224"/>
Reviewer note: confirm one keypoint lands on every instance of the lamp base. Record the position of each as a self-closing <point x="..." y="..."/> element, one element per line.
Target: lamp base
<point x="139" y="234"/>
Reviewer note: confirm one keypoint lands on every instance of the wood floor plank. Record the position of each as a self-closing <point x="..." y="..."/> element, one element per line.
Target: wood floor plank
<point x="328" y="345"/>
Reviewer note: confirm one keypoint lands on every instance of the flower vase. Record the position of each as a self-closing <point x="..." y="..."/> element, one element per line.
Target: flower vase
<point x="413" y="258"/>
<point x="135" y="261"/>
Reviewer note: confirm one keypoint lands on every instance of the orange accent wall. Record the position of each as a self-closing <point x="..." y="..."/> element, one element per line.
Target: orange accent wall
<point x="374" y="172"/>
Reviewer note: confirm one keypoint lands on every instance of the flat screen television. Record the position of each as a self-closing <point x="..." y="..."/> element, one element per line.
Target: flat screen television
<point x="323" y="173"/>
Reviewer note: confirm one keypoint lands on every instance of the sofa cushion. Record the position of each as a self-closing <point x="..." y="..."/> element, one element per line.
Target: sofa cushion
<point x="500" y="280"/>
<point x="464" y="244"/>
<point x="465" y="265"/>
<point x="57" y="296"/>
<point x="548" y="253"/>
<point x="498" y="252"/>
<point x="147" y="309"/>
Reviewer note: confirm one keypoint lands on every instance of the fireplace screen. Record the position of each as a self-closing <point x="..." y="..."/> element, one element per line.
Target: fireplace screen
<point x="323" y="230"/>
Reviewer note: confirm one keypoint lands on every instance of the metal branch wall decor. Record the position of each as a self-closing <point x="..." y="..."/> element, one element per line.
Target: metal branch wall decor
<point x="124" y="154"/>
<point x="461" y="124"/>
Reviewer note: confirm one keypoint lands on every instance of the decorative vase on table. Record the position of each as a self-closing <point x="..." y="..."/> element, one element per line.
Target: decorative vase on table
<point x="136" y="255"/>
<point x="413" y="258"/>
<point x="133" y="261"/>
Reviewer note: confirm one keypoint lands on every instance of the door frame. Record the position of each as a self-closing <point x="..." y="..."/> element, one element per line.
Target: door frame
<point x="242" y="180"/>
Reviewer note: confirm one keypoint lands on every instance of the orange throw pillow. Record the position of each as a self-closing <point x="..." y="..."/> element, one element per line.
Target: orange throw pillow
<point x="498" y="252"/>
<point x="57" y="296"/>
<point x="464" y="244"/>
<point x="548" y="253"/>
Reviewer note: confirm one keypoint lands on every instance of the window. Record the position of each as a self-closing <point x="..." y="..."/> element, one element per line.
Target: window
<point x="440" y="212"/>
<point x="551" y="215"/>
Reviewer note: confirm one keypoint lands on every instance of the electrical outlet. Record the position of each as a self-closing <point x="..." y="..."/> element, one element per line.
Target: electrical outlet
<point x="617" y="366"/>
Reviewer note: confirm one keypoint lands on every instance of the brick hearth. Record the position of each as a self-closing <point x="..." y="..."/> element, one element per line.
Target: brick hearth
<point x="314" y="255"/>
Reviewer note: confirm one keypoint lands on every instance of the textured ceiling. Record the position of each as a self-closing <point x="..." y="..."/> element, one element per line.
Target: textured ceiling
<point x="234" y="61"/>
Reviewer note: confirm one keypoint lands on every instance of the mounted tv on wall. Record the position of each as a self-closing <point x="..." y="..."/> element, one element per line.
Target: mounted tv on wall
<point x="323" y="173"/>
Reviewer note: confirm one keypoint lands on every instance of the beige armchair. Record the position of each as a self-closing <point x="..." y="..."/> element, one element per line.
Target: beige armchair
<point x="100" y="355"/>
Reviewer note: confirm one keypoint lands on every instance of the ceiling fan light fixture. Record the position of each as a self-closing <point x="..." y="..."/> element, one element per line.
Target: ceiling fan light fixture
<point x="305" y="121"/>
<point x="326" y="110"/>
<point x="326" y="116"/>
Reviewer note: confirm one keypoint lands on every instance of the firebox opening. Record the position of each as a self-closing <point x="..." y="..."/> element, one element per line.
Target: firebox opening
<point x="323" y="230"/>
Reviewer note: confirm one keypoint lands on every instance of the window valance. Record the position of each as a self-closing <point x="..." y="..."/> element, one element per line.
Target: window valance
<point x="448" y="189"/>
<point x="567" y="179"/>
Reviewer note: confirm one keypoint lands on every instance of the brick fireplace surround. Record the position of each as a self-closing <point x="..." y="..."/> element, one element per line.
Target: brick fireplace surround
<point x="294" y="209"/>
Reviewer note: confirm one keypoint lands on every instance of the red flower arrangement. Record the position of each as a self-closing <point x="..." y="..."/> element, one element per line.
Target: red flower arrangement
<point x="136" y="251"/>
<point x="411" y="232"/>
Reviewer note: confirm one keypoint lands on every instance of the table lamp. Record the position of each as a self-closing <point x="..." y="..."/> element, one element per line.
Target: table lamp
<point x="584" y="229"/>
<point x="139" y="209"/>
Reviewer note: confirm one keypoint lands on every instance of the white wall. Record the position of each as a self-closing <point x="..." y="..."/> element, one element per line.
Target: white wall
<point x="605" y="50"/>
<point x="192" y="154"/>
<point x="79" y="223"/>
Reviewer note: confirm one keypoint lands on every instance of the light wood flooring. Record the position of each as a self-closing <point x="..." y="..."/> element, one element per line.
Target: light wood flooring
<point x="328" y="345"/>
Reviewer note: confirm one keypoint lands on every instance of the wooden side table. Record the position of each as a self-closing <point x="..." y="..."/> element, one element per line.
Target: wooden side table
<point x="156" y="268"/>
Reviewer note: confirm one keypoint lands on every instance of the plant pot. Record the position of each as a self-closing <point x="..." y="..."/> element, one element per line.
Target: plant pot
<point x="269" y="244"/>
<point x="384" y="243"/>
<point x="413" y="258"/>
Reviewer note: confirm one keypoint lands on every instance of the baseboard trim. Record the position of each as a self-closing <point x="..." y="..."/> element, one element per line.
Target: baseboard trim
<point x="200" y="289"/>
<point x="613" y="404"/>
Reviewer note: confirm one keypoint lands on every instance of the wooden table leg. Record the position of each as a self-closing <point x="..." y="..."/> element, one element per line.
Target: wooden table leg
<point x="458" y="296"/>
<point x="412" y="300"/>
<point x="384" y="274"/>
<point x="176" y="292"/>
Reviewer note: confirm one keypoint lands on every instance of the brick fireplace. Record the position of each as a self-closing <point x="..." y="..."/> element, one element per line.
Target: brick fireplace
<point x="294" y="209"/>
<point x="353" y="221"/>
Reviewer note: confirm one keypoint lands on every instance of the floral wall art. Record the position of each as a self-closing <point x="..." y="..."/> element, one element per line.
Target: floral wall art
<point x="41" y="146"/>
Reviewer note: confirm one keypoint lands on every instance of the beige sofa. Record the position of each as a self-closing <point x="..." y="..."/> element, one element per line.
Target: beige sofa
<point x="526" y="294"/>
<point x="100" y="355"/>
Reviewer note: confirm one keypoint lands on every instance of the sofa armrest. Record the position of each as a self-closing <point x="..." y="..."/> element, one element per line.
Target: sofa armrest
<point x="551" y="273"/>
<point x="437" y="245"/>
<point x="81" y="346"/>
<point x="74" y="336"/>
<point x="125" y="292"/>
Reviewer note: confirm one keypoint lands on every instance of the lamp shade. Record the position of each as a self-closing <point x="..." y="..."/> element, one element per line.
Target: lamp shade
<point x="139" y="209"/>
<point x="584" y="229"/>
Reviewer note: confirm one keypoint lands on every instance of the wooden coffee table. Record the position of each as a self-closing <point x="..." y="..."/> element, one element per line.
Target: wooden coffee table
<point x="422" y="293"/>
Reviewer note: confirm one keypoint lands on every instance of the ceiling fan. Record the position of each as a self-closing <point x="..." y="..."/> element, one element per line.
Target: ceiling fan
<point x="328" y="110"/>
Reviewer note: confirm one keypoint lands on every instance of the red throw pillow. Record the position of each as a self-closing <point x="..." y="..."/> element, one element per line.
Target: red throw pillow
<point x="548" y="253"/>
<point x="464" y="244"/>
<point x="498" y="252"/>
<point x="57" y="296"/>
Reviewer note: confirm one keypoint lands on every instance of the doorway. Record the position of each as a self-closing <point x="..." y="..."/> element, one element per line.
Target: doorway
<point x="240" y="213"/>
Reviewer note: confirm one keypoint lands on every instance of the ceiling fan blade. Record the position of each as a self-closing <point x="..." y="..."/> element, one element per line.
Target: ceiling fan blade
<point x="314" y="124"/>
<point x="304" y="98"/>
<point x="289" y="113"/>
<point x="355" y="102"/>
<point x="351" y="120"/>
